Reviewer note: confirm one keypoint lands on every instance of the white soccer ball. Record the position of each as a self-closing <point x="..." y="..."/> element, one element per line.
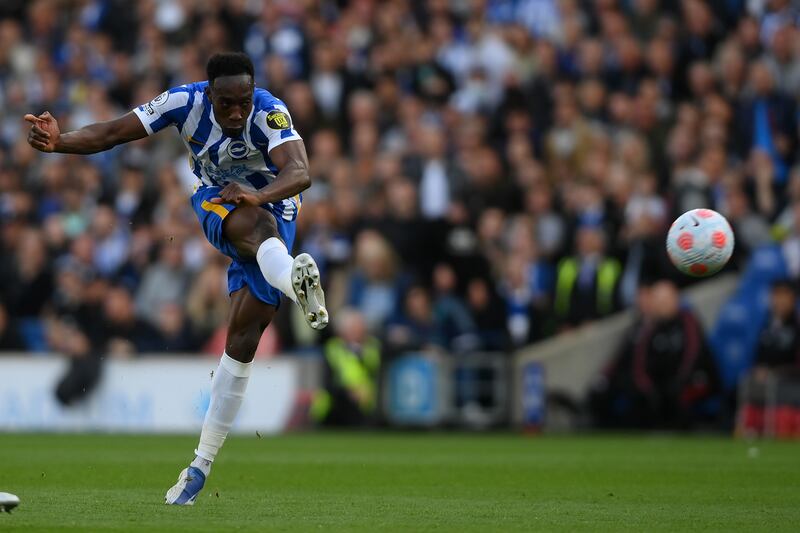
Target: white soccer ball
<point x="700" y="242"/>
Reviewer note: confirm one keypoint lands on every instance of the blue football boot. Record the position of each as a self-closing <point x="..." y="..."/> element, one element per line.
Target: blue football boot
<point x="189" y="485"/>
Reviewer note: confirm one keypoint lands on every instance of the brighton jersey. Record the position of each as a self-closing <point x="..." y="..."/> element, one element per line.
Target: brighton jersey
<point x="215" y="158"/>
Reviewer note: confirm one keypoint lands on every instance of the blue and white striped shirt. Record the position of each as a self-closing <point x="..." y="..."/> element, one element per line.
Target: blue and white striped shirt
<point x="215" y="158"/>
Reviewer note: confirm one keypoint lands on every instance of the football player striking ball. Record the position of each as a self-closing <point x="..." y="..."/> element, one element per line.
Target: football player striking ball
<point x="251" y="166"/>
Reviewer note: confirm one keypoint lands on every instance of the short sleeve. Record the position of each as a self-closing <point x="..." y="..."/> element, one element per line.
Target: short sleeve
<point x="276" y="123"/>
<point x="168" y="108"/>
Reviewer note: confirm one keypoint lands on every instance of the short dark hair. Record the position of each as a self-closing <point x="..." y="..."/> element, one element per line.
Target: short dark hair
<point x="228" y="64"/>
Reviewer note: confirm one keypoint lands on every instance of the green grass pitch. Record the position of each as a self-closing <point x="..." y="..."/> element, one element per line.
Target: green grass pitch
<point x="405" y="482"/>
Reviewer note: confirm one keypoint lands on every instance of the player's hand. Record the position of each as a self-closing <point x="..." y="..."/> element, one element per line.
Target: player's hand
<point x="44" y="132"/>
<point x="234" y="194"/>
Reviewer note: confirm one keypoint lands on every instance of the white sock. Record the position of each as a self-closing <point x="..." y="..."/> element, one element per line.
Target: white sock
<point x="227" y="392"/>
<point x="203" y="464"/>
<point x="276" y="265"/>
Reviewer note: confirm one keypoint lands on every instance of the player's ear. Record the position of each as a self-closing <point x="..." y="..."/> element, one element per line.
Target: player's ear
<point x="207" y="90"/>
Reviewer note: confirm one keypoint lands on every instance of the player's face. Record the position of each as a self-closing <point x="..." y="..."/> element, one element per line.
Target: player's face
<point x="232" y="100"/>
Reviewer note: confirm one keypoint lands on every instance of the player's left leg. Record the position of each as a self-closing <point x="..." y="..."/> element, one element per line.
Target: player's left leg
<point x="249" y="316"/>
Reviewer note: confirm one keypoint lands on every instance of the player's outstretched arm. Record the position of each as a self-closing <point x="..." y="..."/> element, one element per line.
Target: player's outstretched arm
<point x="292" y="179"/>
<point x="45" y="134"/>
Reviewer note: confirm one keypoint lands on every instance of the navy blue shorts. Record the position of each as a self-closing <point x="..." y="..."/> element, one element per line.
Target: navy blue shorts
<point x="242" y="272"/>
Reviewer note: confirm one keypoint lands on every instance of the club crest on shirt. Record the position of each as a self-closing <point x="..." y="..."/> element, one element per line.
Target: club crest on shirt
<point x="278" y="120"/>
<point x="161" y="99"/>
<point x="238" y="150"/>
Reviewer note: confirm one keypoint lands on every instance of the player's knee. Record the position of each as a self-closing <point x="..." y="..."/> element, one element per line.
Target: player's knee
<point x="248" y="227"/>
<point x="266" y="227"/>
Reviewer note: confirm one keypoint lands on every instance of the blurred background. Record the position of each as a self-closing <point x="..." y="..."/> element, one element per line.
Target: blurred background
<point x="492" y="183"/>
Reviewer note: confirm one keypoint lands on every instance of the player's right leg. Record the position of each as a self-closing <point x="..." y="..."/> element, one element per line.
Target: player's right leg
<point x="256" y="234"/>
<point x="253" y="234"/>
<point x="249" y="317"/>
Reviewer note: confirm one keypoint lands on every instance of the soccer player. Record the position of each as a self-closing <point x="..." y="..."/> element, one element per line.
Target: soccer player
<point x="251" y="166"/>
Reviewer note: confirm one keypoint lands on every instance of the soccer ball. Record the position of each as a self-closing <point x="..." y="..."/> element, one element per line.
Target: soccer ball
<point x="700" y="242"/>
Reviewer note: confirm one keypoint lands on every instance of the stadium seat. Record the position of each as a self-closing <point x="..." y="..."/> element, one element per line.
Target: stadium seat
<point x="734" y="336"/>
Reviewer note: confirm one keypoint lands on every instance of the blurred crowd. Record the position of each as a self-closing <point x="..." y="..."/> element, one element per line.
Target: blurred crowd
<point x="486" y="173"/>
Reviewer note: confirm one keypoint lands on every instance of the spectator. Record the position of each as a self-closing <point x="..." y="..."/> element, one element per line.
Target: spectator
<point x="779" y="340"/>
<point x="415" y="327"/>
<point x="351" y="371"/>
<point x="123" y="333"/>
<point x="772" y="383"/>
<point x="643" y="230"/>
<point x="133" y="201"/>
<point x="112" y="242"/>
<point x="437" y="180"/>
<point x="450" y="313"/>
<point x="586" y="284"/>
<point x="569" y="141"/>
<point x="528" y="287"/>
<point x="522" y="318"/>
<point x="783" y="61"/>
<point x="10" y="340"/>
<point x="175" y="332"/>
<point x="767" y="121"/>
<point x="409" y="236"/>
<point x="664" y="376"/>
<point x="751" y="230"/>
<point x="325" y="240"/>
<point x="163" y="283"/>
<point x="486" y="309"/>
<point x="375" y="287"/>
<point x="31" y="283"/>
<point x="549" y="225"/>
<point x="207" y="303"/>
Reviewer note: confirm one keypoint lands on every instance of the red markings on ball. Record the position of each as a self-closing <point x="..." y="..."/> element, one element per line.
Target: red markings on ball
<point x="698" y="269"/>
<point x="719" y="239"/>
<point x="685" y="241"/>
<point x="704" y="213"/>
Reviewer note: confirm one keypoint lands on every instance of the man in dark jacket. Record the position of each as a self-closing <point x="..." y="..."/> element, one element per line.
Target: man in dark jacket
<point x="664" y="373"/>
<point x="779" y="340"/>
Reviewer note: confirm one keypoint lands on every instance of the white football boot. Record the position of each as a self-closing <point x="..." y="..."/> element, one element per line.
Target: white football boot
<point x="190" y="482"/>
<point x="308" y="289"/>
<point x="8" y="501"/>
